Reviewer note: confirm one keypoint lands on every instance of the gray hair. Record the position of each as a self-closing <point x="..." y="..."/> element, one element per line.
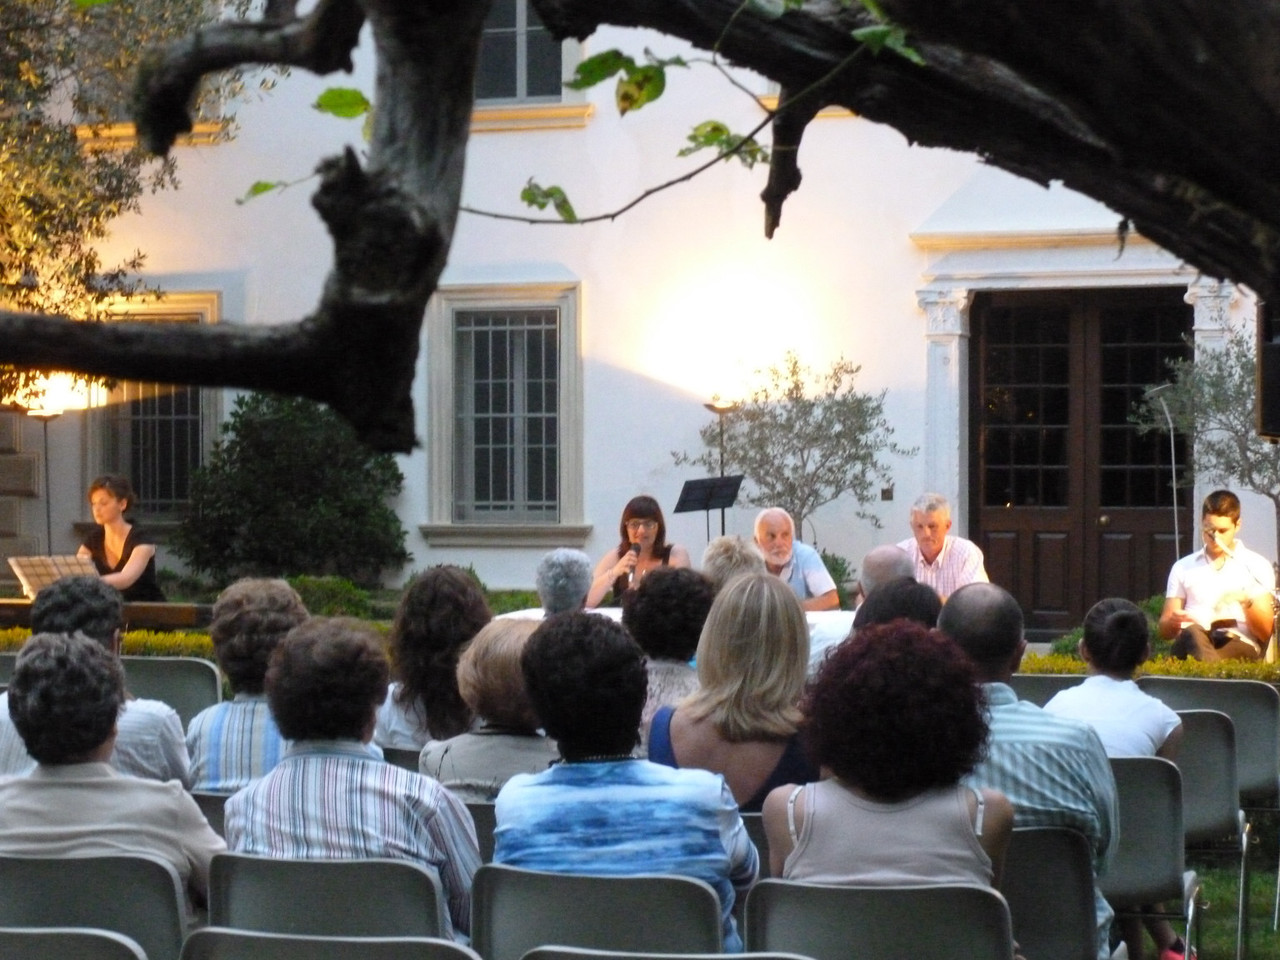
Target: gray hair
<point x="883" y="563"/>
<point x="65" y="695"/>
<point x="931" y="503"/>
<point x="563" y="579"/>
<point x="729" y="557"/>
<point x="770" y="512"/>
<point x="83" y="604"/>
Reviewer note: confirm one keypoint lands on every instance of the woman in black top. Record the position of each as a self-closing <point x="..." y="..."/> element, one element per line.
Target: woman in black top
<point x="124" y="556"/>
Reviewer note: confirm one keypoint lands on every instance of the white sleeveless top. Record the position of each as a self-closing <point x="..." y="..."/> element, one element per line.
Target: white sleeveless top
<point x="930" y="838"/>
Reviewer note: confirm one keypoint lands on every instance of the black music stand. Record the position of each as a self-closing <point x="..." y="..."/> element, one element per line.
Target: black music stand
<point x="709" y="493"/>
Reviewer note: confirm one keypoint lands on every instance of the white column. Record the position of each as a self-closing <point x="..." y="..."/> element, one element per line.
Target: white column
<point x="946" y="420"/>
<point x="1212" y="301"/>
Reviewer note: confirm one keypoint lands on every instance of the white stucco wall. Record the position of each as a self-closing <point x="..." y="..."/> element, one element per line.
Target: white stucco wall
<point x="682" y="297"/>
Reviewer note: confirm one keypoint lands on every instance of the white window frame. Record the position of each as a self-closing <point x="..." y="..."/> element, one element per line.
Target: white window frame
<point x="202" y="307"/>
<point x="505" y="114"/>
<point x="443" y="530"/>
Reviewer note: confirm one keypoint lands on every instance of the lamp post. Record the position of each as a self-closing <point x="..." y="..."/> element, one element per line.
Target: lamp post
<point x="720" y="408"/>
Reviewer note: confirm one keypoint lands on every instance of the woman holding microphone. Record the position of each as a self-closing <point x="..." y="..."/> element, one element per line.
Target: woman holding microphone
<point x="642" y="547"/>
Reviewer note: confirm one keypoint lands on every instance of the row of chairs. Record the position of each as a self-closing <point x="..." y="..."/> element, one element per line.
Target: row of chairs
<point x="188" y="684"/>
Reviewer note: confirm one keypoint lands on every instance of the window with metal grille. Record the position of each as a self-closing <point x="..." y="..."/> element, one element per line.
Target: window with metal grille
<point x="153" y="433"/>
<point x="519" y="59"/>
<point x="507" y="426"/>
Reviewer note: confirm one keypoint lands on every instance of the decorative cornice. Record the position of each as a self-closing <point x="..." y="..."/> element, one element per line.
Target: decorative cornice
<point x="123" y="136"/>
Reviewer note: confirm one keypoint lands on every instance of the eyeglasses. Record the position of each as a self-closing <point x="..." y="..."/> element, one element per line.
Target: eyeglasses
<point x="642" y="524"/>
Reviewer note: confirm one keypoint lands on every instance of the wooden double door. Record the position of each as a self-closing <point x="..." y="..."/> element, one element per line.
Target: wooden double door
<point x="1070" y="503"/>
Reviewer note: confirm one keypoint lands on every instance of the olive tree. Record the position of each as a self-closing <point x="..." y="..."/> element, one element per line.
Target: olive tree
<point x="803" y="439"/>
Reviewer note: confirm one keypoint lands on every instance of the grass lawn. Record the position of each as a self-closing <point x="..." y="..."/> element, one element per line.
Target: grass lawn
<point x="1218" y="931"/>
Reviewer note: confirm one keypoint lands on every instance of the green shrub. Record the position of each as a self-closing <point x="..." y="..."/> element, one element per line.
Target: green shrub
<point x="841" y="571"/>
<point x="1068" y="644"/>
<point x="290" y="490"/>
<point x="506" y="601"/>
<point x="332" y="597"/>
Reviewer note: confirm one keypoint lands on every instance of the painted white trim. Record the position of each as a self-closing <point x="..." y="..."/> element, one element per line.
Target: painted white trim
<point x="566" y="297"/>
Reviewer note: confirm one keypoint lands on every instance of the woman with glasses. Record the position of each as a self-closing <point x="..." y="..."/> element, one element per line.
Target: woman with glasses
<point x="642" y="547"/>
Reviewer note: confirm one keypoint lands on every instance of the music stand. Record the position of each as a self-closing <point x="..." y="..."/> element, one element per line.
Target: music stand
<point x="35" y="573"/>
<point x="707" y="494"/>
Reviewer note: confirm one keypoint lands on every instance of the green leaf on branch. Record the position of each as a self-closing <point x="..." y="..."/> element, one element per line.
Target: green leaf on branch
<point x="600" y="68"/>
<point x="873" y="7"/>
<point x="714" y="135"/>
<point x="640" y="86"/>
<point x="769" y="9"/>
<point x="259" y="188"/>
<point x="536" y="195"/>
<point x="86" y="4"/>
<point x="344" y="102"/>
<point x="888" y="36"/>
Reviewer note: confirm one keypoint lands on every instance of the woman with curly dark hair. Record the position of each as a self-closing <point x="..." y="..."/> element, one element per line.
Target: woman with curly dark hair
<point x="440" y="611"/>
<point x="642" y="547"/>
<point x="897" y="718"/>
<point x="665" y="615"/>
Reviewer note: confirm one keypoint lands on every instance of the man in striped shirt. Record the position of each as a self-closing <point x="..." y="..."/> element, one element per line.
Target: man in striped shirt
<point x="1054" y="770"/>
<point x="329" y="798"/>
<point x="940" y="560"/>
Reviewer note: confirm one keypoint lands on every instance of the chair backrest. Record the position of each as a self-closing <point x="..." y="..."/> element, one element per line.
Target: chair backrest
<point x="138" y="895"/>
<point x="188" y="684"/>
<point x="213" y="806"/>
<point x="1148" y="862"/>
<point x="1048" y="884"/>
<point x="402" y="757"/>
<point x="754" y="822"/>
<point x="372" y="897"/>
<point x="1253" y="706"/>
<point x="486" y="822"/>
<point x="935" y="922"/>
<point x="582" y="953"/>
<point x="1039" y="688"/>
<point x="514" y="910"/>
<point x="67" y="943"/>
<point x="220" y="943"/>
<point x="1207" y="762"/>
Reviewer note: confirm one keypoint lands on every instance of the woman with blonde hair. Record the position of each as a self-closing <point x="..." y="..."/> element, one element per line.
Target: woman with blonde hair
<point x="474" y="765"/>
<point x="752" y="660"/>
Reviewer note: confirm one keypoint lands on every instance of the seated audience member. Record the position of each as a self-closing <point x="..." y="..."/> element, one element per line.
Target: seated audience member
<point x="1053" y="770"/>
<point x="474" y="765"/>
<point x="440" y="611"/>
<point x="895" y="715"/>
<point x="1129" y="722"/>
<point x="665" y="614"/>
<point x="940" y="560"/>
<point x="596" y="811"/>
<point x="64" y="699"/>
<point x="798" y="564"/>
<point x="563" y="579"/>
<point x="727" y="557"/>
<point x="237" y="741"/>
<point x="880" y="565"/>
<point x="901" y="599"/>
<point x="329" y="798"/>
<point x="753" y="658"/>
<point x="149" y="742"/>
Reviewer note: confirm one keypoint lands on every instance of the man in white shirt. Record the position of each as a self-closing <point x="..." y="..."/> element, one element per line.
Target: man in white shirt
<point x="797" y="563"/>
<point x="944" y="562"/>
<point x="1219" y="602"/>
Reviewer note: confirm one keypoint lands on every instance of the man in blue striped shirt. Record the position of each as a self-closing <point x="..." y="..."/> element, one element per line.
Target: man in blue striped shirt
<point x="1054" y="770"/>
<point x="330" y="798"/>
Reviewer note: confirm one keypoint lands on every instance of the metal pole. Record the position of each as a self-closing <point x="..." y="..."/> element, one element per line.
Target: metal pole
<point x="720" y="415"/>
<point x="48" y="503"/>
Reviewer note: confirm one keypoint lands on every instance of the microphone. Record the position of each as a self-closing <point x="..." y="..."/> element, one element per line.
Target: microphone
<point x="633" y="578"/>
